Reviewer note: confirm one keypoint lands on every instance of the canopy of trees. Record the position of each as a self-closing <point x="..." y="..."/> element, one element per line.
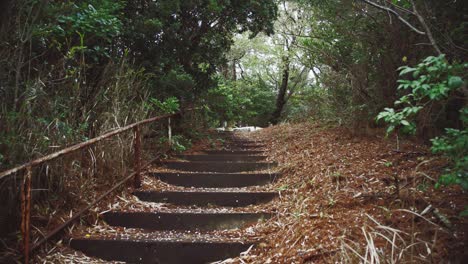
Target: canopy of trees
<point x="341" y="61"/>
<point x="71" y="69"/>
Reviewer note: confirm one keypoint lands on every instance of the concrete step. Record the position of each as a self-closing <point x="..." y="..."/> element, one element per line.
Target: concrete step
<point x="182" y="221"/>
<point x="243" y="140"/>
<point x="206" y="198"/>
<point x="217" y="166"/>
<point x="234" y="152"/>
<point x="220" y="157"/>
<point x="244" y="143"/>
<point x="244" y="146"/>
<point x="161" y="251"/>
<point x="217" y="180"/>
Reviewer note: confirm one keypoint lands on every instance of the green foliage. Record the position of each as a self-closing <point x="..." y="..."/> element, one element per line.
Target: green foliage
<point x="169" y="106"/>
<point x="95" y="23"/>
<point x="354" y="51"/>
<point x="350" y="52"/>
<point x="402" y="3"/>
<point x="399" y="119"/>
<point x="176" y="82"/>
<point x="97" y="18"/>
<point x="244" y="101"/>
<point x="454" y="146"/>
<point x="80" y="65"/>
<point x="226" y="102"/>
<point x="434" y="79"/>
<point x="179" y="143"/>
<point x="190" y="37"/>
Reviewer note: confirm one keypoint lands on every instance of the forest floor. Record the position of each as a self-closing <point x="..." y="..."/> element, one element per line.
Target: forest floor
<point x="343" y="199"/>
<point x="347" y="198"/>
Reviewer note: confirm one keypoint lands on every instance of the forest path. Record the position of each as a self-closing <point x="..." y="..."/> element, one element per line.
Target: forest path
<point x="214" y="198"/>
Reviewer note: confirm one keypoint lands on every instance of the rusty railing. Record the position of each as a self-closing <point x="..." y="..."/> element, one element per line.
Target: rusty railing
<point x="27" y="169"/>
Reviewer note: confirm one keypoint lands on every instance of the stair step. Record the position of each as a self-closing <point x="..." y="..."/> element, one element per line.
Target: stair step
<point x="243" y="142"/>
<point x="206" y="198"/>
<point x="232" y="158"/>
<point x="218" y="180"/>
<point x="216" y="166"/>
<point x="235" y="152"/>
<point x="158" y="251"/>
<point x="241" y="148"/>
<point x="245" y="145"/>
<point x="182" y="221"/>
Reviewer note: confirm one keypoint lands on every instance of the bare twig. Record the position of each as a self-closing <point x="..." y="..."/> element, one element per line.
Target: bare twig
<point x="426" y="28"/>
<point x="393" y="12"/>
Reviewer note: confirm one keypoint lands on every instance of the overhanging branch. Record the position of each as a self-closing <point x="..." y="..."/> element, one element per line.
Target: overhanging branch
<point x="393" y="12"/>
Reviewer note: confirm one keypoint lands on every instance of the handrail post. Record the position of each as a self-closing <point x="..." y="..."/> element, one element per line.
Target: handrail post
<point x="26" y="213"/>
<point x="169" y="131"/>
<point x="26" y="187"/>
<point x="137" y="157"/>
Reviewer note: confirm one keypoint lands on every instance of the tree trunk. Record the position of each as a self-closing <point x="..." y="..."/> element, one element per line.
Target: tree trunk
<point x="225" y="70"/>
<point x="281" y="99"/>
<point x="233" y="69"/>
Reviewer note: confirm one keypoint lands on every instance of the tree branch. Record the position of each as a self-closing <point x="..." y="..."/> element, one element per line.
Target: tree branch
<point x="426" y="27"/>
<point x="393" y="12"/>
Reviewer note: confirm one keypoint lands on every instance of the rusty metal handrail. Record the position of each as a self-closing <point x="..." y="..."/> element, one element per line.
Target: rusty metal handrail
<point x="78" y="215"/>
<point x="26" y="186"/>
<point x="81" y="145"/>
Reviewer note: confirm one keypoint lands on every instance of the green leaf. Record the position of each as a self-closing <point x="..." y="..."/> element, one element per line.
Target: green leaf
<point x="464" y="213"/>
<point x="405" y="123"/>
<point x="406" y="69"/>
<point x="455" y="82"/>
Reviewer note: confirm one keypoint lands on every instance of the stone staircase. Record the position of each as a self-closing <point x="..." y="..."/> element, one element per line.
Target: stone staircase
<point x="209" y="179"/>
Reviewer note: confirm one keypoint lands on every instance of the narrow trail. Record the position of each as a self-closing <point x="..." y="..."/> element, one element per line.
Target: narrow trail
<point x="210" y="190"/>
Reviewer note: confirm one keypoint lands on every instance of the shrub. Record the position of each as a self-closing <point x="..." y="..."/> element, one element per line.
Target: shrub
<point x="434" y="79"/>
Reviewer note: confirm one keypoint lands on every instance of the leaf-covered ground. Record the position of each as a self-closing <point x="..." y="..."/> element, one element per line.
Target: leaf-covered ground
<point x="352" y="199"/>
<point x="343" y="199"/>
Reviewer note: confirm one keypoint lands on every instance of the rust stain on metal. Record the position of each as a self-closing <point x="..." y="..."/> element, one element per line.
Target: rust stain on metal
<point x="137" y="157"/>
<point x="78" y="215"/>
<point x="81" y="145"/>
<point x="26" y="187"/>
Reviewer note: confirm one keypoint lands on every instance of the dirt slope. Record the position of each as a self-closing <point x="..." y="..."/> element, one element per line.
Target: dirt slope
<point x="350" y="199"/>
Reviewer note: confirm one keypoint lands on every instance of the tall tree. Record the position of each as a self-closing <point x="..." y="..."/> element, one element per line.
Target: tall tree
<point x="290" y="26"/>
<point x="275" y="61"/>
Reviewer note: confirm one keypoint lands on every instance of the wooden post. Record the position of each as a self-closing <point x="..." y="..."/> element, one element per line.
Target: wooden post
<point x="169" y="131"/>
<point x="137" y="157"/>
<point x="26" y="212"/>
